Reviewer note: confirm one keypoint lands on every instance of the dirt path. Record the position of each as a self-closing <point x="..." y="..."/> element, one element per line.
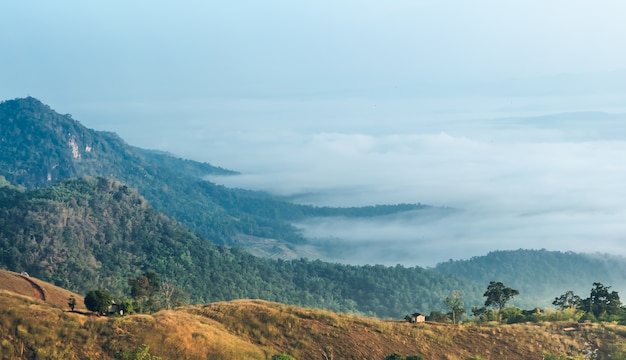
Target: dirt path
<point x="37" y="290"/>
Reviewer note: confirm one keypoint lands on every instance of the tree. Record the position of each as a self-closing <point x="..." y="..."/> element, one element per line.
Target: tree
<point x="394" y="356"/>
<point x="140" y="353"/>
<point x="98" y="301"/>
<point x="602" y="303"/>
<point x="144" y="288"/>
<point x="438" y="316"/>
<point x="498" y="295"/>
<point x="71" y="302"/>
<point x="569" y="300"/>
<point x="455" y="304"/>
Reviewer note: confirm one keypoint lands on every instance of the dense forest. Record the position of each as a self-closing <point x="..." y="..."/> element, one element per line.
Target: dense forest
<point x="97" y="233"/>
<point x="541" y="273"/>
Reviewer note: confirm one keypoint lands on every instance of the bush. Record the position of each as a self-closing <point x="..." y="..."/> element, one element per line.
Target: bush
<point x="282" y="357"/>
<point x="394" y="356"/>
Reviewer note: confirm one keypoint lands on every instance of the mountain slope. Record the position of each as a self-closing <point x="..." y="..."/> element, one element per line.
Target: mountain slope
<point x="23" y="284"/>
<point x="96" y="233"/>
<point x="544" y="274"/>
<point x="39" y="147"/>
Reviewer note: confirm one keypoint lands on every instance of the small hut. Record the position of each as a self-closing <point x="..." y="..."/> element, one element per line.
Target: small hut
<point x="418" y="318"/>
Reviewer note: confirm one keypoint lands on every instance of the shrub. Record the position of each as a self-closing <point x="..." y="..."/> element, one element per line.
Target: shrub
<point x="98" y="301"/>
<point x="394" y="356"/>
<point x="282" y="357"/>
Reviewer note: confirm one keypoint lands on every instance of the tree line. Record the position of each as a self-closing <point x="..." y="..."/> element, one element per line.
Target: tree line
<point x="602" y="304"/>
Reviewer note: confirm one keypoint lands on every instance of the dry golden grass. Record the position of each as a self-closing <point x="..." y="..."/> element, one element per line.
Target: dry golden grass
<point x="252" y="329"/>
<point x="54" y="295"/>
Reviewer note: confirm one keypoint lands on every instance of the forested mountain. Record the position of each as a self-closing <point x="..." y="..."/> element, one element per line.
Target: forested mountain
<point x="39" y="147"/>
<point x="97" y="233"/>
<point x="542" y="273"/>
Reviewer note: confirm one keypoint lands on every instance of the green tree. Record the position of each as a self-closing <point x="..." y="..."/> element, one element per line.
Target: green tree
<point x="602" y="303"/>
<point x="98" y="301"/>
<point x="140" y="353"/>
<point x="455" y="304"/>
<point x="498" y="295"/>
<point x="394" y="356"/>
<point x="71" y="302"/>
<point x="569" y="300"/>
<point x="438" y="316"/>
<point x="145" y="288"/>
<point x="512" y="315"/>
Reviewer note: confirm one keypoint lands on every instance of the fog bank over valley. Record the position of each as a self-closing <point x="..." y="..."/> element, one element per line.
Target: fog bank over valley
<point x="553" y="182"/>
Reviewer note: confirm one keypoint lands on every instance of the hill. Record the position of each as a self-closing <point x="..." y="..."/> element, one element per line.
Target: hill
<point x="541" y="274"/>
<point x="96" y="233"/>
<point x="31" y="328"/>
<point x="25" y="285"/>
<point x="39" y="147"/>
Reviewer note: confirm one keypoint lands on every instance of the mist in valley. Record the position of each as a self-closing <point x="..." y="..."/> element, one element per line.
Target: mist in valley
<point x="506" y="118"/>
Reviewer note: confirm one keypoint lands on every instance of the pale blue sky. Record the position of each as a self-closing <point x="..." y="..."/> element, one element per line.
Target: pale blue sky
<point x="69" y="51"/>
<point x="360" y="102"/>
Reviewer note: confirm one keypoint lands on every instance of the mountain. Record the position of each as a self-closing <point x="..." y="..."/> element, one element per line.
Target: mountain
<point x="39" y="147"/>
<point x="245" y="329"/>
<point x="96" y="233"/>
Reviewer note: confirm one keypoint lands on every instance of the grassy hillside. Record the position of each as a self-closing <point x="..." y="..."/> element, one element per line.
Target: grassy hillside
<point x="23" y="284"/>
<point x="244" y="329"/>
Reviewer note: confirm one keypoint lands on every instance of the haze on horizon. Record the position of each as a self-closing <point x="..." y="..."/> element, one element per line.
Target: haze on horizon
<point x="510" y="112"/>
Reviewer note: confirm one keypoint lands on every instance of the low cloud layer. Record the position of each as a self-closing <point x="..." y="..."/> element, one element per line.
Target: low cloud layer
<point x="516" y="178"/>
<point x="554" y="182"/>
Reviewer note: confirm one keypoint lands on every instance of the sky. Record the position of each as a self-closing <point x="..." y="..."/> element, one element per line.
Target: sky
<point x="510" y="112"/>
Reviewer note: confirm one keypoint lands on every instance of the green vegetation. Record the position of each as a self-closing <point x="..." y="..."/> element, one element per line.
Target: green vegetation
<point x="98" y="233"/>
<point x="98" y="301"/>
<point x="282" y="357"/>
<point x="455" y="304"/>
<point x="140" y="353"/>
<point x="396" y="356"/>
<point x="71" y="303"/>
<point x="540" y="274"/>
